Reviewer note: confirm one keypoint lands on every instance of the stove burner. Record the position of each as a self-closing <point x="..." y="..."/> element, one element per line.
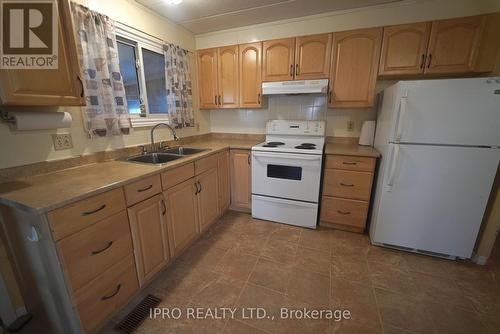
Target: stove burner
<point x="307" y="144"/>
<point x="302" y="147"/>
<point x="275" y="143"/>
<point x="269" y="145"/>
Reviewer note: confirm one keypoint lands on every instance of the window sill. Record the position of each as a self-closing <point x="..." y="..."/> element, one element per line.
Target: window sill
<point x="147" y="122"/>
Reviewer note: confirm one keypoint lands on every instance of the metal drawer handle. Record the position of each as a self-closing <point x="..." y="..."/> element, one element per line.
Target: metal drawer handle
<point x="430" y="59"/>
<point x="297" y="69"/>
<point x="344" y="212"/>
<point x="163" y="208"/>
<point x="113" y="294"/>
<point x="346" y="184"/>
<point x="197" y="190"/>
<point x="93" y="211"/>
<point x="291" y="70"/>
<point x="349" y="163"/>
<point x="101" y="250"/>
<point x="144" y="189"/>
<point x="200" y="186"/>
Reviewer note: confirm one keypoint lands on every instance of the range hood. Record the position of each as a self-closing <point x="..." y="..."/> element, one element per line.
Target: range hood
<point x="295" y="87"/>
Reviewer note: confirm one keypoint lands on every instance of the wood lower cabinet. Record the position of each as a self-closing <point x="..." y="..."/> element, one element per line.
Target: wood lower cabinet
<point x="278" y="59"/>
<point x="250" y="57"/>
<point x="224" y="181"/>
<point x="57" y="87"/>
<point x="207" y="78"/>
<point x="150" y="236"/>
<point x="345" y="198"/>
<point x="241" y="190"/>
<point x="228" y="77"/>
<point x="208" y="198"/>
<point x="404" y="49"/>
<point x="182" y="215"/>
<point x="355" y="61"/>
<point x="312" y="56"/>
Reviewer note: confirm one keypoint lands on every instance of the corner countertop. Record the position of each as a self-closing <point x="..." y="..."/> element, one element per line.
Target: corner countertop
<point x="352" y="149"/>
<point x="46" y="192"/>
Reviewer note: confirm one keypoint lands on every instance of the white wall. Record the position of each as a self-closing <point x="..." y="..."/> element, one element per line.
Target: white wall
<point x="337" y="119"/>
<point x="19" y="148"/>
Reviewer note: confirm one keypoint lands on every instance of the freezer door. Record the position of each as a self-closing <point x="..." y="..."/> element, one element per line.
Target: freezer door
<point x="450" y="111"/>
<point x="433" y="198"/>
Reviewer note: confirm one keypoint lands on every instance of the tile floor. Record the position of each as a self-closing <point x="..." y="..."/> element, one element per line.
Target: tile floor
<point x="241" y="262"/>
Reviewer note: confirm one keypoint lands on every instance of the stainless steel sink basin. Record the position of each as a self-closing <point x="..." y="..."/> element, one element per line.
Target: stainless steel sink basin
<point x="184" y="150"/>
<point x="154" y="158"/>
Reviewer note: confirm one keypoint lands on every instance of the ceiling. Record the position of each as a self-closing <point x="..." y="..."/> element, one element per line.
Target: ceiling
<point x="202" y="16"/>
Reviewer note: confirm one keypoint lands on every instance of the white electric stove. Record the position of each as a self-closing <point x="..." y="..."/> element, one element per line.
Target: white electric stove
<point x="286" y="172"/>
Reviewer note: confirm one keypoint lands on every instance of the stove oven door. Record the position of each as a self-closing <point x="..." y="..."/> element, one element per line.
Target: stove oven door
<point x="286" y="175"/>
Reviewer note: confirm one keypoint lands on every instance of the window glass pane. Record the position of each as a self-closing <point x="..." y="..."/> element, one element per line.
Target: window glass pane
<point x="126" y="54"/>
<point x="154" y="71"/>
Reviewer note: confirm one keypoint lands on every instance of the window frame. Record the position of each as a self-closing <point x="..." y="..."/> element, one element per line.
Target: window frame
<point x="141" y="41"/>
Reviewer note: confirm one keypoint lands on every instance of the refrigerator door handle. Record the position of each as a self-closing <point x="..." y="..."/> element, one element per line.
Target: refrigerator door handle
<point x="392" y="170"/>
<point x="402" y="112"/>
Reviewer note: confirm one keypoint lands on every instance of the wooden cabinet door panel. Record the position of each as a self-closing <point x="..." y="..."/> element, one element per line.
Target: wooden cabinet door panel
<point x="58" y="87"/>
<point x="224" y="181"/>
<point x="241" y="192"/>
<point x="454" y="45"/>
<point x="354" y="68"/>
<point x="250" y="56"/>
<point x="207" y="78"/>
<point x="228" y="79"/>
<point x="182" y="219"/>
<point x="149" y="235"/>
<point x="208" y="198"/>
<point x="404" y="48"/>
<point x="312" y="56"/>
<point x="278" y="59"/>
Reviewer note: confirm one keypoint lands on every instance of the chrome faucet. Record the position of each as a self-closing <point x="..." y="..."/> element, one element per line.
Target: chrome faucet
<point x="153" y="145"/>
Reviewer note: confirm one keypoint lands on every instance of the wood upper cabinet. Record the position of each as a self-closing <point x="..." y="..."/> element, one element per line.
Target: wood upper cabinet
<point x="404" y="48"/>
<point x="57" y="87"/>
<point x="241" y="191"/>
<point x="207" y="78"/>
<point x="208" y="198"/>
<point x="312" y="56"/>
<point x="182" y="215"/>
<point x="454" y="45"/>
<point x="355" y="60"/>
<point x="228" y="77"/>
<point x="224" y="181"/>
<point x="278" y="59"/>
<point x="149" y="236"/>
<point x="250" y="57"/>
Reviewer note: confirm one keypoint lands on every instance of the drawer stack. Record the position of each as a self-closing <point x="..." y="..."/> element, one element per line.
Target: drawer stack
<point x="95" y="247"/>
<point x="346" y="194"/>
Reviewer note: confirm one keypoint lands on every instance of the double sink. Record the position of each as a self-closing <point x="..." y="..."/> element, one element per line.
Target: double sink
<point x="165" y="155"/>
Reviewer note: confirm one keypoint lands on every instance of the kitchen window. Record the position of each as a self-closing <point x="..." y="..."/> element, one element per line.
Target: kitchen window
<point x="142" y="65"/>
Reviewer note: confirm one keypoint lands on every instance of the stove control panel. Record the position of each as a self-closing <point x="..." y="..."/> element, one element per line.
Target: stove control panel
<point x="290" y="127"/>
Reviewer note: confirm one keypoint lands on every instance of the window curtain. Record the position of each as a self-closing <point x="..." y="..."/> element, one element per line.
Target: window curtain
<point x="179" y="91"/>
<point x="106" y="112"/>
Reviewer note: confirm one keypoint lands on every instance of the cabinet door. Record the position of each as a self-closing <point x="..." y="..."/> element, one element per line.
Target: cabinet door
<point x="207" y="78"/>
<point x="241" y="192"/>
<point x="312" y="56"/>
<point x="149" y="236"/>
<point x="278" y="59"/>
<point x="250" y="75"/>
<point x="354" y="68"/>
<point x="228" y="79"/>
<point x="208" y="198"/>
<point x="454" y="45"/>
<point x="182" y="219"/>
<point x="404" y="48"/>
<point x="224" y="181"/>
<point x="58" y="87"/>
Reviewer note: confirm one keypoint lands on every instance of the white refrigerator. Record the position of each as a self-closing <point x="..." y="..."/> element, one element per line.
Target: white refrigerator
<point x="439" y="141"/>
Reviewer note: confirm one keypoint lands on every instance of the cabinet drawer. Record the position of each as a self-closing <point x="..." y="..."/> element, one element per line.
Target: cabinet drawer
<point x="175" y="176"/>
<point x="343" y="211"/>
<point x="75" y="217"/>
<point x="205" y="164"/>
<point x="91" y="251"/>
<point x="142" y="189"/>
<point x="350" y="162"/>
<point x="109" y="291"/>
<point x="347" y="184"/>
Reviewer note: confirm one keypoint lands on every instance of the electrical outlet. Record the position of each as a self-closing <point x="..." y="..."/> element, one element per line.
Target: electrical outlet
<point x="350" y="126"/>
<point x="62" y="141"/>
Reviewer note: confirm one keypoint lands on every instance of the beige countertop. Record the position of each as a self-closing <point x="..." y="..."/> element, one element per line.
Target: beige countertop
<point x="351" y="149"/>
<point x="46" y="192"/>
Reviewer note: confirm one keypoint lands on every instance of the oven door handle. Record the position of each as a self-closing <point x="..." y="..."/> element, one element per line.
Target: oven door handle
<point x="287" y="201"/>
<point x="286" y="156"/>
